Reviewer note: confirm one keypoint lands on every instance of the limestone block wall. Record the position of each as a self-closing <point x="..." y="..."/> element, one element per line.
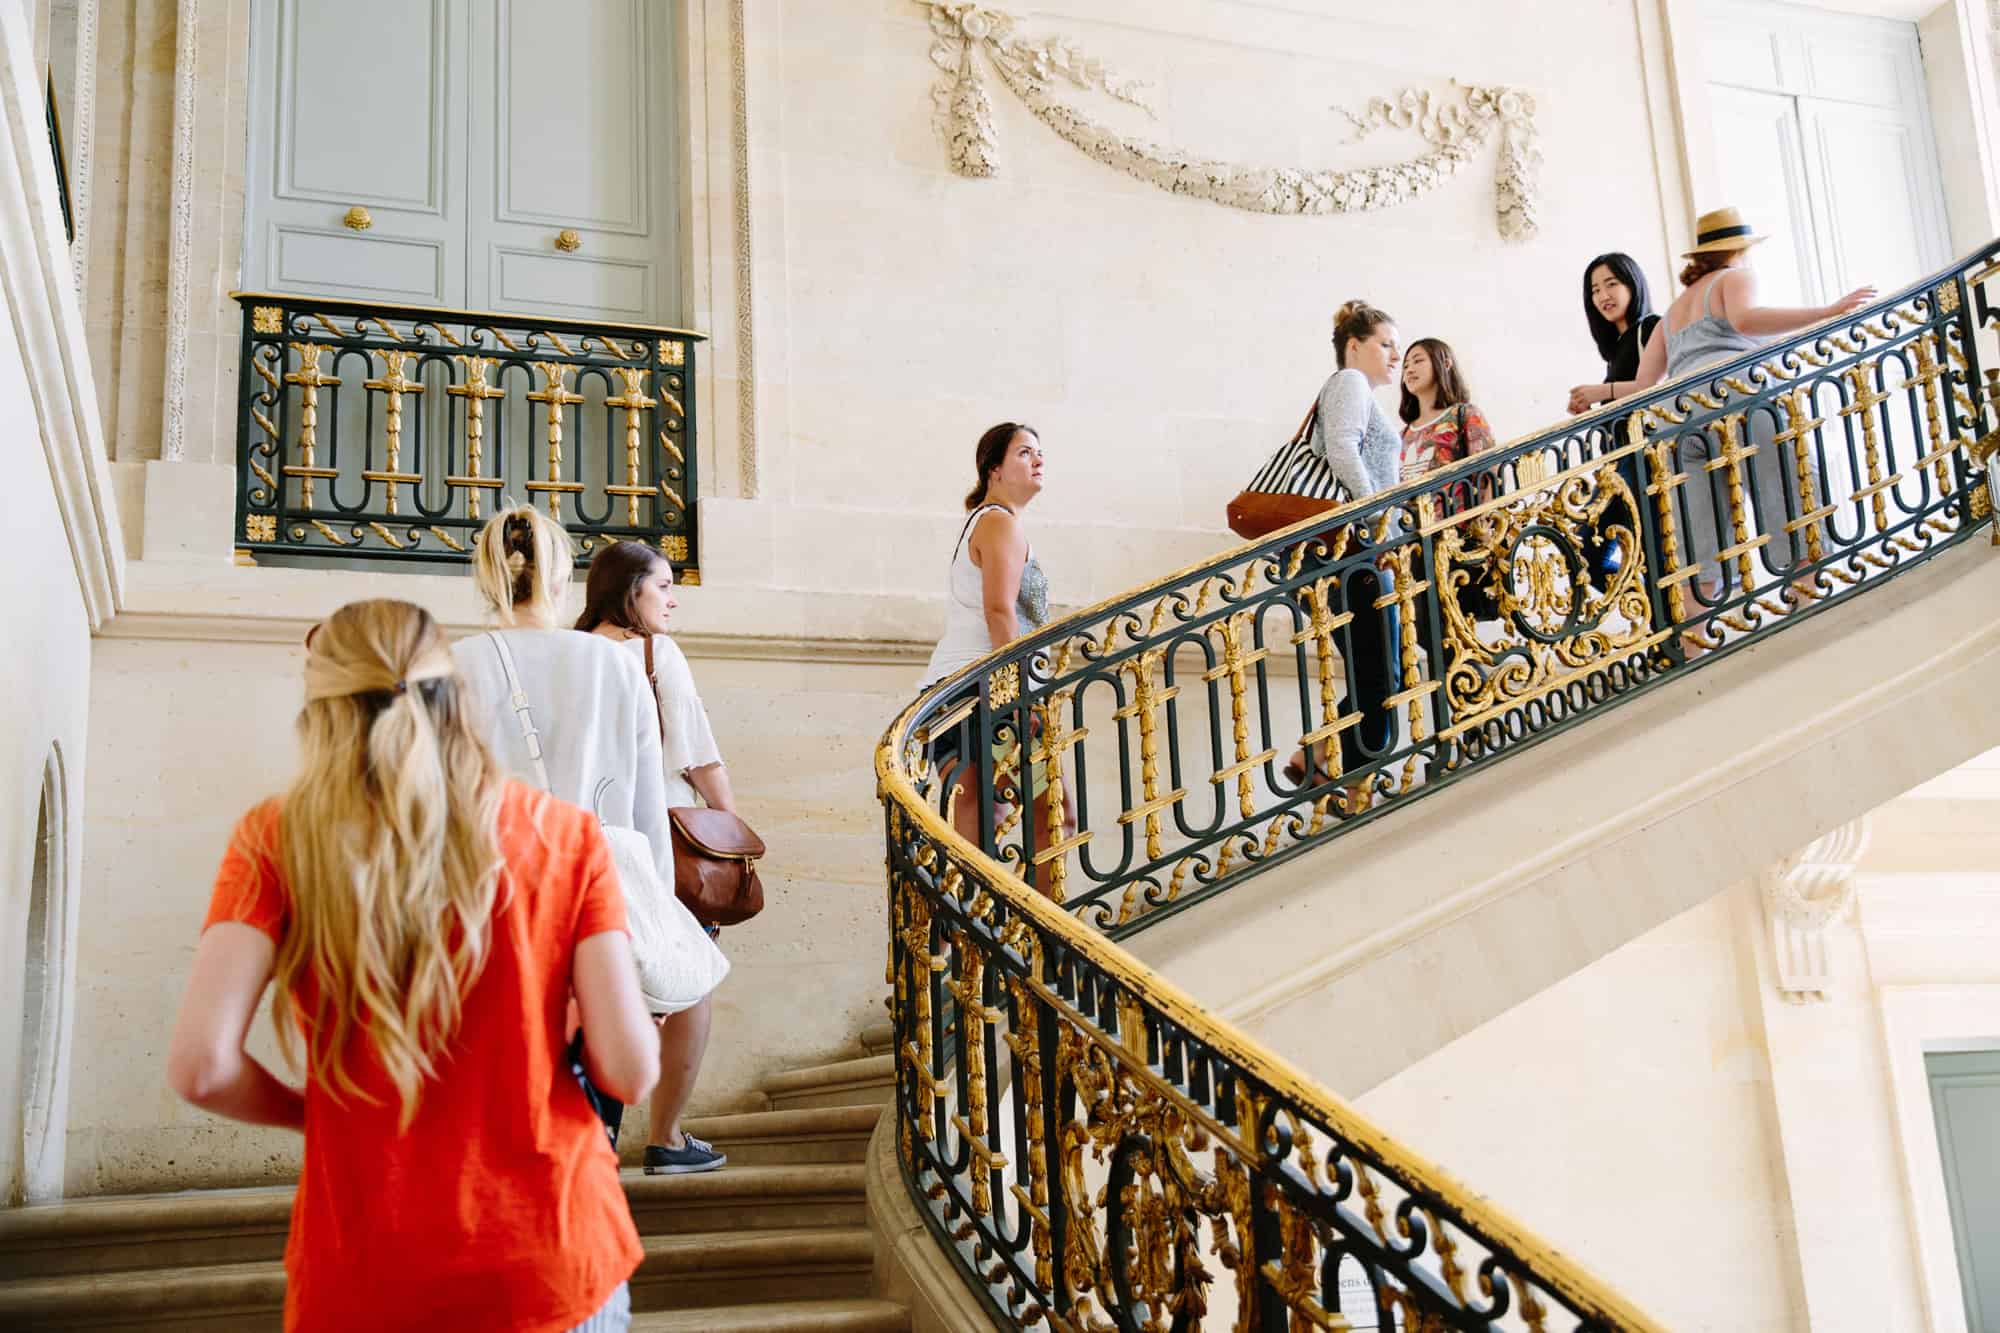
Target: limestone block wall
<point x="1625" y="1115"/>
<point x="1732" y="1156"/>
<point x="1163" y="344"/>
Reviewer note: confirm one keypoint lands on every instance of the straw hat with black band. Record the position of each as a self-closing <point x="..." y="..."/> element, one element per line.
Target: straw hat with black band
<point x="1722" y="230"/>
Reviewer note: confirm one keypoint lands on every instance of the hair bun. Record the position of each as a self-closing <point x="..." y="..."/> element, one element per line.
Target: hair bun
<point x="516" y="563"/>
<point x="1349" y="310"/>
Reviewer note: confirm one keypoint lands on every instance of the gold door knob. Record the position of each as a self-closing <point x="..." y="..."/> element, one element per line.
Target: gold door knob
<point x="357" y="219"/>
<point x="568" y="241"/>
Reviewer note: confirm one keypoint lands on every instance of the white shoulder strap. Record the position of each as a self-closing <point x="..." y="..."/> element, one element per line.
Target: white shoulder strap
<point x="519" y="698"/>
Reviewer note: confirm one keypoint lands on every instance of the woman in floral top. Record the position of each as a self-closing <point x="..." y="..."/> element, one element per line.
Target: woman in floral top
<point x="1440" y="427"/>
<point x="1440" y="424"/>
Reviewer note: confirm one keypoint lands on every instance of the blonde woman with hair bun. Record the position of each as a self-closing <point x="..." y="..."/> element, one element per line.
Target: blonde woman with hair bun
<point x="423" y="922"/>
<point x="599" y="737"/>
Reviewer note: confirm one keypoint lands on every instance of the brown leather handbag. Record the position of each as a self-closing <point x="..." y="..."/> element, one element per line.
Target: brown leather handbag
<point x="715" y="852"/>
<point x="715" y="865"/>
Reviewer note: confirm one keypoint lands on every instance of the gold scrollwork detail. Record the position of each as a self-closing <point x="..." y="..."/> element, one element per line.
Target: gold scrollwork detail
<point x="1555" y="623"/>
<point x="260" y="527"/>
<point x="676" y="547"/>
<point x="672" y="353"/>
<point x="1945" y="295"/>
<point x="267" y="319"/>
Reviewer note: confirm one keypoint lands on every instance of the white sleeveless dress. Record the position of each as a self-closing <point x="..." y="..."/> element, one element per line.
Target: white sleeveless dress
<point x="966" y="639"/>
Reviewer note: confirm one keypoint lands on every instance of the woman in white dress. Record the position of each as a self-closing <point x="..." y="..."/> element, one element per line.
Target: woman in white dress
<point x="599" y="736"/>
<point x="996" y="592"/>
<point x="628" y="600"/>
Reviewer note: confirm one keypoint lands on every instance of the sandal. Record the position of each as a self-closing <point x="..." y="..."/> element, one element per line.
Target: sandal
<point x="1296" y="768"/>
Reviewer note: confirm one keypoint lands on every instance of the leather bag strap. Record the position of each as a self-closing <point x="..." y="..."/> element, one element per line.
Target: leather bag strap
<point x="519" y="698"/>
<point x="659" y="713"/>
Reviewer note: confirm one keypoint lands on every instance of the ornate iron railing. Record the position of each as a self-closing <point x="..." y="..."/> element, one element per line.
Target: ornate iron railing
<point x="1762" y="490"/>
<point x="391" y="432"/>
<point x="1094" y="1150"/>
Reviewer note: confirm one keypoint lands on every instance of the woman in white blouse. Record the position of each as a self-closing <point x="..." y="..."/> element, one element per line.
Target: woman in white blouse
<point x="599" y="734"/>
<point x="629" y="596"/>
<point x="628" y="600"/>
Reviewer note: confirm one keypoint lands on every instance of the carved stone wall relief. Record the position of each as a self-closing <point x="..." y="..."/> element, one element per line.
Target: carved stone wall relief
<point x="1456" y="129"/>
<point x="1803" y="895"/>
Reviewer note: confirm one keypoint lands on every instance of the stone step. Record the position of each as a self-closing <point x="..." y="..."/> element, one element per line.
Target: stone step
<point x="856" y="1316"/>
<point x="879" y="1038"/>
<point x="813" y="1134"/>
<point x="211" y="1227"/>
<point x="698" y="1271"/>
<point x="868" y="1081"/>
<point x="749" y="1198"/>
<point x="748" y="1268"/>
<point x="145" y="1231"/>
<point x="214" y="1298"/>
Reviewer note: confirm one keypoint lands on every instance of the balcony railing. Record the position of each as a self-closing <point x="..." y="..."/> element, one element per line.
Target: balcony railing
<point x="1092" y="1149"/>
<point x="393" y="432"/>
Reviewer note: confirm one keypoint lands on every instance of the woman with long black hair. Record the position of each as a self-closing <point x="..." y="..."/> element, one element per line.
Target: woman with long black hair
<point x="1618" y="307"/>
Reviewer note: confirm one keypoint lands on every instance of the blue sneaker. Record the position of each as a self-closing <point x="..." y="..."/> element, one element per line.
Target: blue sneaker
<point x="691" y="1157"/>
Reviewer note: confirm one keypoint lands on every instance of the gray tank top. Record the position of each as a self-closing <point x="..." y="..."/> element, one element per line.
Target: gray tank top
<point x="1705" y="341"/>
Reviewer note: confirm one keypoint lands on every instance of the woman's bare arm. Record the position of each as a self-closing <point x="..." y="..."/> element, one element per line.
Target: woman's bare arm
<point x="621" y="1048"/>
<point x="1736" y="292"/>
<point x="1000" y="549"/>
<point x="712" y="781"/>
<point x="206" y="1062"/>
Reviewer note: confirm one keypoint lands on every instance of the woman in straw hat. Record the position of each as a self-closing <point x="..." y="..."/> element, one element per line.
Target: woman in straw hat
<point x="1715" y="318"/>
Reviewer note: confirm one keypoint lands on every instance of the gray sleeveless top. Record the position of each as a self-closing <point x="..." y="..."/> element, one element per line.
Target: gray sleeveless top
<point x="1705" y="341"/>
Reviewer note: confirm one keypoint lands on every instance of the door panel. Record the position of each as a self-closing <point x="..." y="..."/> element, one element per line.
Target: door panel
<point x="1965" y="1099"/>
<point x="572" y="151"/>
<point x="342" y="263"/>
<point x="571" y="204"/>
<point x="1757" y="154"/>
<point x="357" y="104"/>
<point x="384" y="59"/>
<point x="1874" y="168"/>
<point x="537" y="280"/>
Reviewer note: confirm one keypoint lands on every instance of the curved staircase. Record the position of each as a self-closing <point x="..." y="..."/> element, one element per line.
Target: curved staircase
<point x="778" y="1241"/>
<point x="1088" y="1117"/>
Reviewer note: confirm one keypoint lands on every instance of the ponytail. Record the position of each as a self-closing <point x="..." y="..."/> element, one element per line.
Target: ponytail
<point x="388" y="840"/>
<point x="523" y="566"/>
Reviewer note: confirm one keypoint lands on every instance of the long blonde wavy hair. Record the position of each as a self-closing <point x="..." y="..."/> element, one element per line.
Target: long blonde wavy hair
<point x="523" y="567"/>
<point x="390" y="847"/>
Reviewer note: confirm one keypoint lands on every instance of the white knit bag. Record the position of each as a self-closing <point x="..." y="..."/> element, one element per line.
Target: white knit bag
<point x="678" y="963"/>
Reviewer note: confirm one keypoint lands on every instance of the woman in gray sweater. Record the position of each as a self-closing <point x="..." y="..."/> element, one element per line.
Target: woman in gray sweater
<point x="1363" y="448"/>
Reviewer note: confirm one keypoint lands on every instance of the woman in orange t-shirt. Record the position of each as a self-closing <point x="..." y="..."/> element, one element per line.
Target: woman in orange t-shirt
<point x="426" y="921"/>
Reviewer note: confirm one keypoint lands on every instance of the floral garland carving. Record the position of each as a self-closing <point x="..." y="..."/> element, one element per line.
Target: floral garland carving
<point x="1456" y="130"/>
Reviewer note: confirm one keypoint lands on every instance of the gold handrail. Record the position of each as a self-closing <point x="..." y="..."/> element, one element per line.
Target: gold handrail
<point x="452" y="315"/>
<point x="1552" y="1266"/>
